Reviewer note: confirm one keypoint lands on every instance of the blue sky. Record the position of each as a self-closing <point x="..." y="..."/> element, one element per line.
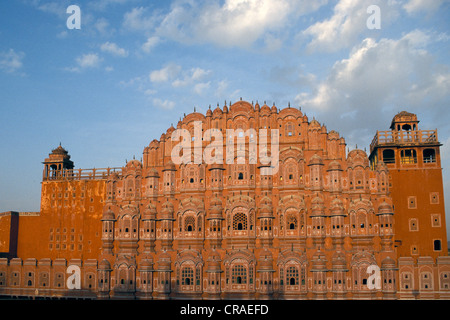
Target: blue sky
<point x="106" y="90"/>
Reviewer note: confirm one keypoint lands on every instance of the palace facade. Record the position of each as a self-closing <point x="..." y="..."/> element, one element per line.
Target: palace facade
<point x="329" y="224"/>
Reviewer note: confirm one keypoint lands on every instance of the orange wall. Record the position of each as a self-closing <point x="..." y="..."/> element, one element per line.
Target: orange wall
<point x="69" y="224"/>
<point x="420" y="183"/>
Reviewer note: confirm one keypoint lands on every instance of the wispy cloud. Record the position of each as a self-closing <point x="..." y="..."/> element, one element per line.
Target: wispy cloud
<point x="86" y="61"/>
<point x="167" y="73"/>
<point x="11" y="61"/>
<point x="150" y="44"/>
<point x="114" y="49"/>
<point x="163" y="104"/>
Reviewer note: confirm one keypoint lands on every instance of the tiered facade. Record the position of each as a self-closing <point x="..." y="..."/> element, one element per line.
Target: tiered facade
<point x="322" y="227"/>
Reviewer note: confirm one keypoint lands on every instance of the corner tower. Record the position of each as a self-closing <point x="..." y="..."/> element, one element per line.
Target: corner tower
<point x="413" y="159"/>
<point x="57" y="163"/>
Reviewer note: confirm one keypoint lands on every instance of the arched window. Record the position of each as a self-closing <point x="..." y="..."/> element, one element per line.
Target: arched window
<point x="239" y="274"/>
<point x="241" y="176"/>
<point x="292" y="275"/>
<point x="187" y="276"/>
<point x="189" y="224"/>
<point x="292" y="222"/>
<point x="240" y="221"/>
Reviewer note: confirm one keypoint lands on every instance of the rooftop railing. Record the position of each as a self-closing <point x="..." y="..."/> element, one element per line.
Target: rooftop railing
<point x="404" y="137"/>
<point x="80" y="174"/>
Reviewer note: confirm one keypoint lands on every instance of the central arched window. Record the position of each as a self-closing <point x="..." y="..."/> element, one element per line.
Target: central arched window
<point x="292" y="275"/>
<point x="189" y="223"/>
<point x="239" y="274"/>
<point x="291" y="222"/>
<point x="187" y="276"/>
<point x="240" y="221"/>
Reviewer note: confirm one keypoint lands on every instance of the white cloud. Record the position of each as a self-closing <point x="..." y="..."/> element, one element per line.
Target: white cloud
<point x="420" y="6"/>
<point x="138" y="19"/>
<point x="150" y="44"/>
<point x="11" y="61"/>
<point x="233" y="22"/>
<point x="199" y="88"/>
<point x="165" y="74"/>
<point x="85" y="61"/>
<point x="103" y="27"/>
<point x="194" y="75"/>
<point x="380" y="78"/>
<point x="114" y="49"/>
<point x="89" y="60"/>
<point x="163" y="104"/>
<point x="348" y="22"/>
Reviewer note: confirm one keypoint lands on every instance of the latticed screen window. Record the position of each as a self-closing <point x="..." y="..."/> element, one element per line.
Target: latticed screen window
<point x="291" y="222"/>
<point x="189" y="223"/>
<point x="187" y="276"/>
<point x="240" y="221"/>
<point x="239" y="274"/>
<point x="292" y="276"/>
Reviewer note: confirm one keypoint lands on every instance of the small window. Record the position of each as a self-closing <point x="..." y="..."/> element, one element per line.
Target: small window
<point x="413" y="225"/>
<point x="436" y="220"/>
<point x="240" y="176"/>
<point x="412" y="202"/>
<point x="437" y="245"/>
<point x="388" y="156"/>
<point x="408" y="156"/>
<point x="429" y="156"/>
<point x="434" y="197"/>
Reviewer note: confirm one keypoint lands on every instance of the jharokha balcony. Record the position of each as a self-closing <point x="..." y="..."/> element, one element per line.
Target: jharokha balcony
<point x="402" y="137"/>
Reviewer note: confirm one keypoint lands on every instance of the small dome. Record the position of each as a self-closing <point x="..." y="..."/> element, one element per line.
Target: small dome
<point x="388" y="263"/>
<point x="149" y="212"/>
<point x="170" y="166"/>
<point x="60" y="150"/>
<point x="146" y="264"/>
<point x="153" y="173"/>
<point x="315" y="159"/>
<point x="334" y="166"/>
<point x="134" y="164"/>
<point x="338" y="261"/>
<point x="265" y="109"/>
<point x="385" y="208"/>
<point x="319" y="261"/>
<point x="217" y="111"/>
<point x="314" y="123"/>
<point x="104" y="265"/>
<point x="167" y="210"/>
<point x="108" y="215"/>
<point x="337" y="207"/>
